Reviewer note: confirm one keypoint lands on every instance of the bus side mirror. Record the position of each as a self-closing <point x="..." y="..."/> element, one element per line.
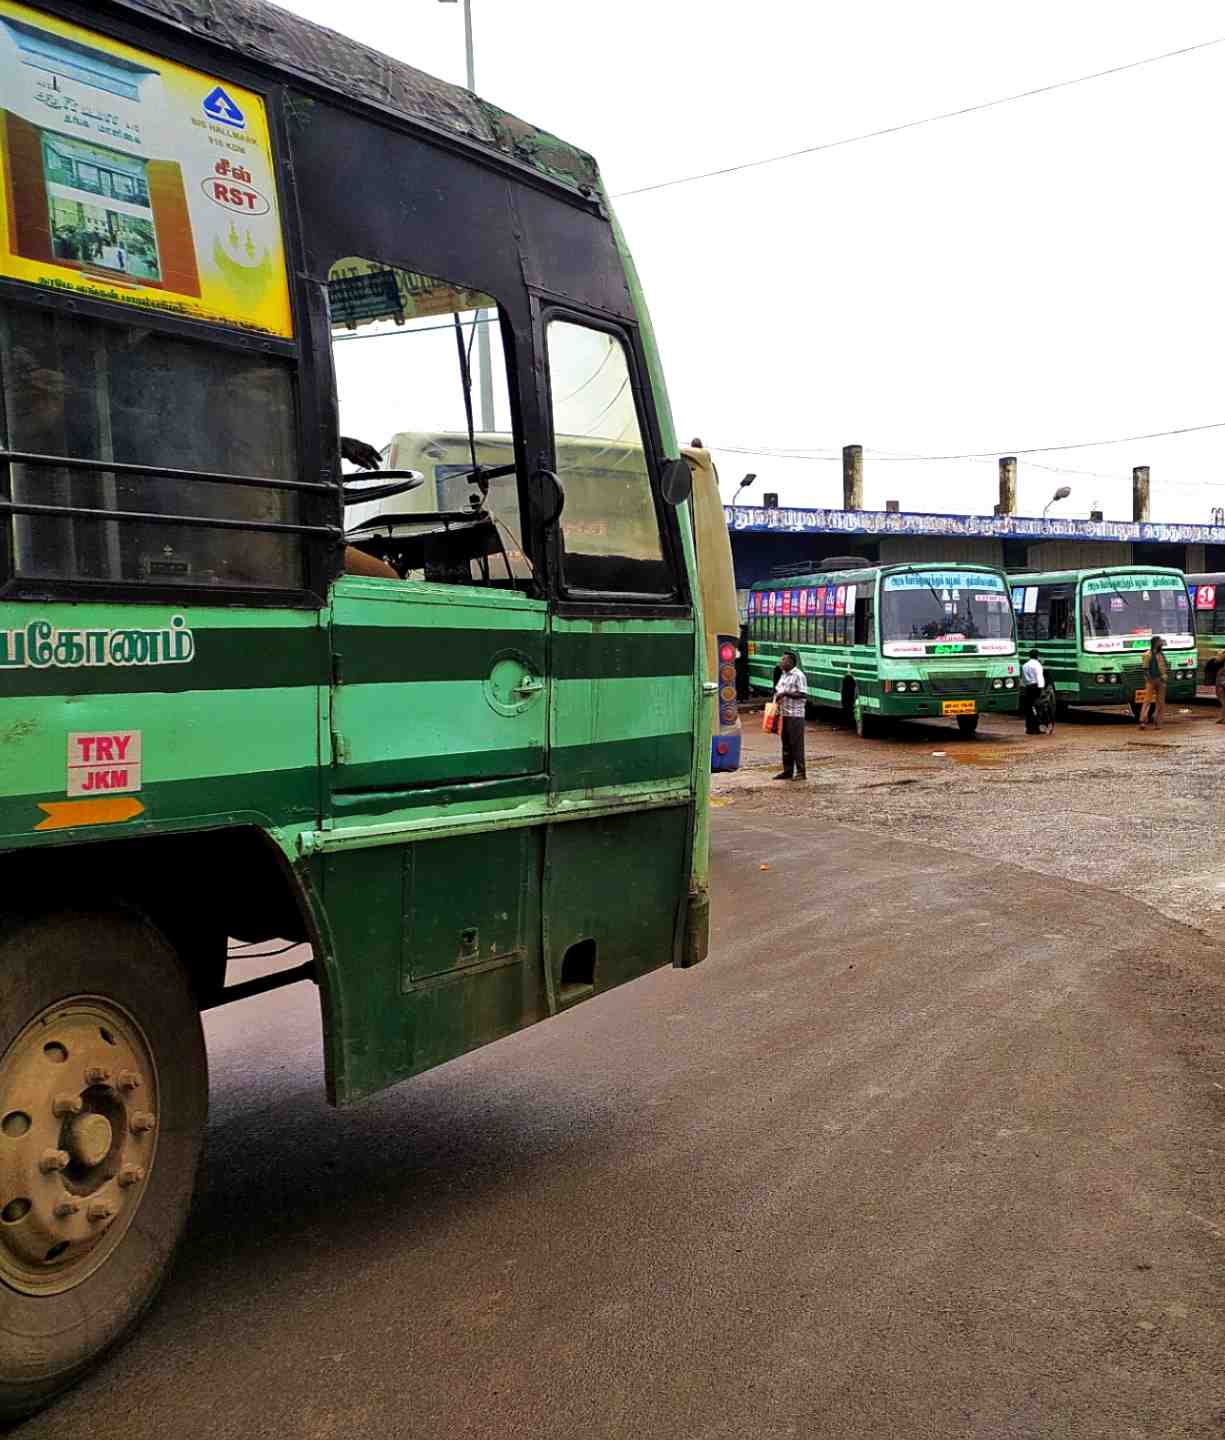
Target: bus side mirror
<point x="676" y="482"/>
<point x="550" y="498"/>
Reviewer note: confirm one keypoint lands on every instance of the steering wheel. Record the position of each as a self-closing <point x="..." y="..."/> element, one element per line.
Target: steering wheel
<point x="394" y="482"/>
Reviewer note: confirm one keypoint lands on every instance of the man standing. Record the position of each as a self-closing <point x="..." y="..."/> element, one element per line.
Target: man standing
<point x="1033" y="677"/>
<point x="791" y="692"/>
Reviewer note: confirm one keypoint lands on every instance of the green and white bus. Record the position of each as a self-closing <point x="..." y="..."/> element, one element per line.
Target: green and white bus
<point x="1206" y="594"/>
<point x="883" y="642"/>
<point x="459" y="757"/>
<point x="1094" y="627"/>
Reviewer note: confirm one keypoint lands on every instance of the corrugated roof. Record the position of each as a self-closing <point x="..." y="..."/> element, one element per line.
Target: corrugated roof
<point x="259" y="31"/>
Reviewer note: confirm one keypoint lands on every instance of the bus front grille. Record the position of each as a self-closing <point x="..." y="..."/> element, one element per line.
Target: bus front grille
<point x="957" y="682"/>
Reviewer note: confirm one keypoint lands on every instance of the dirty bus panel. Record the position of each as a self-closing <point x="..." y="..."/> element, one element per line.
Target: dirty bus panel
<point x="435" y="720"/>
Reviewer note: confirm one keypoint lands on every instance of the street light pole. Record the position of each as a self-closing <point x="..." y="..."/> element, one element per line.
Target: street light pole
<point x="1061" y="494"/>
<point x="484" y="359"/>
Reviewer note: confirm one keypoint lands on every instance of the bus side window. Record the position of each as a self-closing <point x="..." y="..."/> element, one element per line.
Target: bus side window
<point x="610" y="533"/>
<point x="408" y="367"/>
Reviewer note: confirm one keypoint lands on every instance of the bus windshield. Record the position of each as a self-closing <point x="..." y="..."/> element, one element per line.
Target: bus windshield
<point x="1115" y="608"/>
<point x="934" y="612"/>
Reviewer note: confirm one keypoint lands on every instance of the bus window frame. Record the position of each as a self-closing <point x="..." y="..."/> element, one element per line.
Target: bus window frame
<point x="322" y="557"/>
<point x="546" y="309"/>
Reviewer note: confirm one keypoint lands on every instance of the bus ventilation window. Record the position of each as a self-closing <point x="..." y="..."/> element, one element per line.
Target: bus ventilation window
<point x="577" y="970"/>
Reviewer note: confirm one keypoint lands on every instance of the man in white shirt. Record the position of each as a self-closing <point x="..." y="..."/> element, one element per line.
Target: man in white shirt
<point x="1033" y="677"/>
<point x="791" y="692"/>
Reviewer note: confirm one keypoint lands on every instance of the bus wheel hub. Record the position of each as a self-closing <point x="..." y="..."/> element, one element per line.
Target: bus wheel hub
<point x="78" y="1135"/>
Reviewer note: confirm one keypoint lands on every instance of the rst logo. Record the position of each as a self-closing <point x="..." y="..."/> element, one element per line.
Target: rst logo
<point x="234" y="195"/>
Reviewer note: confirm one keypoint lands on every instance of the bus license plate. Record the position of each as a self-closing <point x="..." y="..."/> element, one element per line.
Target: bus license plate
<point x="959" y="707"/>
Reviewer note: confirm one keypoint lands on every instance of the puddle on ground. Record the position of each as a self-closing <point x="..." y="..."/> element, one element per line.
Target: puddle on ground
<point x="988" y="759"/>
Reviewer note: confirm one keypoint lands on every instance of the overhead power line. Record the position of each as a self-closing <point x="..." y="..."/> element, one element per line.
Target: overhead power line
<point x="914" y="124"/>
<point x="879" y="455"/>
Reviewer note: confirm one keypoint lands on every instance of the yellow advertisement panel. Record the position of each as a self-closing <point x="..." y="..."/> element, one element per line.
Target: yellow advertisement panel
<point x="129" y="178"/>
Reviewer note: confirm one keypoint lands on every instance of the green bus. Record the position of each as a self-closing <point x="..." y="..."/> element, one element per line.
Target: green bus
<point x="1094" y="626"/>
<point x="1206" y="594"/>
<point x="891" y="641"/>
<point x="440" y="750"/>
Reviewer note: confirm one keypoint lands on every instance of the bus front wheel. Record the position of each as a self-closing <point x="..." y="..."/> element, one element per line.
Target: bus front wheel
<point x="103" y="1099"/>
<point x="967" y="724"/>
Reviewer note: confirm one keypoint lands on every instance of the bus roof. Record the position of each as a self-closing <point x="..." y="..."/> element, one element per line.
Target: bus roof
<point x="1060" y="577"/>
<point x="864" y="573"/>
<point x="317" y="56"/>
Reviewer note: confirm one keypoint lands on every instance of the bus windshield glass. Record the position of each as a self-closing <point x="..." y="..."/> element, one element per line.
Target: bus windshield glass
<point x="1119" y="608"/>
<point x="946" y="612"/>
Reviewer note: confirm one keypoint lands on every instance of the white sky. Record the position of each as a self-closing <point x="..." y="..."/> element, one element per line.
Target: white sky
<point x="1042" y="273"/>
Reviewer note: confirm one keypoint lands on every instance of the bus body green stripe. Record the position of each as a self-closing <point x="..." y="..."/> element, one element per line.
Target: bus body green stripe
<point x="368" y="656"/>
<point x="238" y="659"/>
<point x="378" y="655"/>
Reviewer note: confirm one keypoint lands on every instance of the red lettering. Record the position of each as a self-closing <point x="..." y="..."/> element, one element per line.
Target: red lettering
<point x="118" y="779"/>
<point x="86" y="743"/>
<point x="104" y="744"/>
<point x="249" y="196"/>
<point x="221" y="192"/>
<point x="121" y="744"/>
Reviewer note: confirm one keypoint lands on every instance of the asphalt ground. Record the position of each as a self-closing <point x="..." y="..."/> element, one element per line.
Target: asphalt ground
<point x="1137" y="812"/>
<point x="930" y="1146"/>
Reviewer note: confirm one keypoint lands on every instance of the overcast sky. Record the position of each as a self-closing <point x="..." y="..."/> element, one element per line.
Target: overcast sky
<point x="1043" y="273"/>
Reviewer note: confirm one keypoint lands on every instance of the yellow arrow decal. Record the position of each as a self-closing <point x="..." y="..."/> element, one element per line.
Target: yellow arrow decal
<point x="108" y="810"/>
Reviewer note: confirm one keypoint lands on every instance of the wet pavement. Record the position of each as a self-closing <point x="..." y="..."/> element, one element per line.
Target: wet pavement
<point x="930" y="1146"/>
<point x="1137" y="812"/>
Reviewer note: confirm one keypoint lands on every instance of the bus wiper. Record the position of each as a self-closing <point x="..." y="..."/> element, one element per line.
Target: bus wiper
<point x="465" y="375"/>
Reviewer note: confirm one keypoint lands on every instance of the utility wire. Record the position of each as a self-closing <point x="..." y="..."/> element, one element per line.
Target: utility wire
<point x="914" y="124"/>
<point x="820" y="454"/>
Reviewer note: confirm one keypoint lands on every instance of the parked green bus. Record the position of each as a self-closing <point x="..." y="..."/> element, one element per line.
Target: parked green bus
<point x="462" y="756"/>
<point x="1206" y="594"/>
<point x="1094" y="626"/>
<point x="891" y="641"/>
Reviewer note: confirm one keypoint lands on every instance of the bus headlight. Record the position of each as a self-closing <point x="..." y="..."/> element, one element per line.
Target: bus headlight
<point x="1010" y="684"/>
<point x="1102" y="679"/>
<point x="997" y="684"/>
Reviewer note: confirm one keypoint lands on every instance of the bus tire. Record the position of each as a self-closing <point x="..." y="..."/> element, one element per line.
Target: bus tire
<point x="967" y="724"/>
<point x="103" y="1101"/>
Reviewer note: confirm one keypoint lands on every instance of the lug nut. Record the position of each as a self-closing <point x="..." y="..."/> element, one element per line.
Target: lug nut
<point x="66" y="1105"/>
<point x="140" y="1122"/>
<point x="97" y="1075"/>
<point x="53" y="1160"/>
<point x="131" y="1175"/>
<point x="64" y="1208"/>
<point x="129" y="1080"/>
<point x="99" y="1210"/>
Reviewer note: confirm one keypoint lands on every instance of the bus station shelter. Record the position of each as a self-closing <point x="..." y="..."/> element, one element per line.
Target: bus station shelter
<point x="768" y="538"/>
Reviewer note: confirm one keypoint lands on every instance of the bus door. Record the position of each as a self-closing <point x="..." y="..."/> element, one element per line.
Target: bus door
<point x="623" y="656"/>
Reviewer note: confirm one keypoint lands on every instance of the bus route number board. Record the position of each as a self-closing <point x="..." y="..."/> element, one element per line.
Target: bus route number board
<point x="959" y="707"/>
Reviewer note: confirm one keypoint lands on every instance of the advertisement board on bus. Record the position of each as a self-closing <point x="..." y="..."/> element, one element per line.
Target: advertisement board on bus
<point x="126" y="177"/>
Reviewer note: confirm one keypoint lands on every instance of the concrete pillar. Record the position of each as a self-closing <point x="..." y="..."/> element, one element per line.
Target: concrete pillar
<point x="1139" y="493"/>
<point x="852" y="477"/>
<point x="1008" y="485"/>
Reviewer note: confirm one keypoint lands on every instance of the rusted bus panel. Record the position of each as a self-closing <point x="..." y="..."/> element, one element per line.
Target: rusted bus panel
<point x="274" y="36"/>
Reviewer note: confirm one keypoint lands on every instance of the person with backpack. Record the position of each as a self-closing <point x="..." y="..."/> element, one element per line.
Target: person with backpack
<point x="1156" y="678"/>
